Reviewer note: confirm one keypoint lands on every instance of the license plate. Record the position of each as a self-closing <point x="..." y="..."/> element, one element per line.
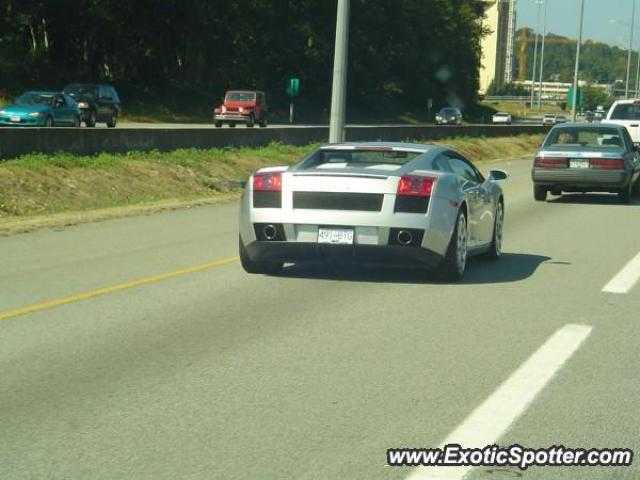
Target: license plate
<point x="578" y="163"/>
<point x="14" y="119"/>
<point x="335" y="236"/>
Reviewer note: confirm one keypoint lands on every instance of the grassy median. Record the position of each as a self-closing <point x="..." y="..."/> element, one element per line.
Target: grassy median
<point x="50" y="190"/>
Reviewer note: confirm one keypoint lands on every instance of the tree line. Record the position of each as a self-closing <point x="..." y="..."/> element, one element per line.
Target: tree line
<point x="402" y="51"/>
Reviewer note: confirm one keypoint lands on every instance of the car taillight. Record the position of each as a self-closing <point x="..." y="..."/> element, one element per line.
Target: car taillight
<point x="548" y="162"/>
<point x="607" y="163"/>
<point x="415" y="186"/>
<point x="267" y="182"/>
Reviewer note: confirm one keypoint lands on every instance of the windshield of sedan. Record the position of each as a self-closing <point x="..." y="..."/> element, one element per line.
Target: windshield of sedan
<point x="364" y="157"/>
<point x="240" y="96"/>
<point x="33" y="98"/>
<point x="449" y="111"/>
<point x="585" y="137"/>
<point x="81" y="90"/>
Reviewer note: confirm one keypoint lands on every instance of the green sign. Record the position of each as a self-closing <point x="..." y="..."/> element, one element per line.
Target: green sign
<point x="579" y="98"/>
<point x="293" y="87"/>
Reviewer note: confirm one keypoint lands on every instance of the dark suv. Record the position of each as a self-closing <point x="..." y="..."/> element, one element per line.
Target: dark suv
<point x="97" y="102"/>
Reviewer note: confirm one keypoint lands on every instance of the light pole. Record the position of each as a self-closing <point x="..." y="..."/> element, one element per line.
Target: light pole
<point x="633" y="14"/>
<point x="544" y="35"/>
<point x="575" y="72"/>
<point x="535" y="54"/>
<point x="339" y="90"/>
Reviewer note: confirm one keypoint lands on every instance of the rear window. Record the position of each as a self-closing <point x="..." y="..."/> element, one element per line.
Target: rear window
<point x="365" y="157"/>
<point x="240" y="96"/>
<point x="585" y="137"/>
<point x="626" y="111"/>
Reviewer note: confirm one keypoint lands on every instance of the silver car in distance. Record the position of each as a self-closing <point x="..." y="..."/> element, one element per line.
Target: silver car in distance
<point x="587" y="157"/>
<point x="377" y="203"/>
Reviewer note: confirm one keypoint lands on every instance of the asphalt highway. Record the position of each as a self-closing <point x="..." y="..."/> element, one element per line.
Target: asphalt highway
<point x="138" y="349"/>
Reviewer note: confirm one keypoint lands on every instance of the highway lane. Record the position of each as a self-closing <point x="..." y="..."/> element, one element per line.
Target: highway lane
<point x="131" y="124"/>
<point x="314" y="373"/>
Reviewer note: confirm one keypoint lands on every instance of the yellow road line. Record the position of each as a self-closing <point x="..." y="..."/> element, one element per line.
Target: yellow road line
<point x="38" y="307"/>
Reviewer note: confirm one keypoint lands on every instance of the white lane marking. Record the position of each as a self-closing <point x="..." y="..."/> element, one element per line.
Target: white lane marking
<point x="491" y="419"/>
<point x="626" y="278"/>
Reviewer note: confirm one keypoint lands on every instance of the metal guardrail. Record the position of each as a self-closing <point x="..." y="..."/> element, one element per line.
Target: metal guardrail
<point x="88" y="141"/>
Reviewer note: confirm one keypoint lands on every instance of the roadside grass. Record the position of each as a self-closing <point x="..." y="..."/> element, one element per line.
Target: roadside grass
<point x="46" y="190"/>
<point x="523" y="110"/>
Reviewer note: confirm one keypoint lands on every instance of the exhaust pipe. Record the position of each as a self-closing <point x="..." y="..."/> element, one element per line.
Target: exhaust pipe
<point x="269" y="232"/>
<point x="404" y="237"/>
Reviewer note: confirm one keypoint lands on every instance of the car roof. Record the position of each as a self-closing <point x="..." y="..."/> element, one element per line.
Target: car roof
<point x="41" y="92"/>
<point x="589" y="126"/>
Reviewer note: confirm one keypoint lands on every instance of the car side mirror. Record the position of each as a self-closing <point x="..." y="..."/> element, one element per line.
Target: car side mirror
<point x="496" y="175"/>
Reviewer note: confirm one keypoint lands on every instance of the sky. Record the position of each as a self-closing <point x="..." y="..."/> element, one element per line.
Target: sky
<point x="604" y="20"/>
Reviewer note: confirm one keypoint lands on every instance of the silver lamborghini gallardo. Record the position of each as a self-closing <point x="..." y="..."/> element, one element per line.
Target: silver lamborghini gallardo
<point x="375" y="203"/>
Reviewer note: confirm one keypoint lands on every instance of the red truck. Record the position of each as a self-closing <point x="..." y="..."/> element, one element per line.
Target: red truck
<point x="242" y="106"/>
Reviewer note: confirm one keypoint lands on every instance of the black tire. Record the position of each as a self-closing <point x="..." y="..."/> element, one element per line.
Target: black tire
<point x="48" y="122"/>
<point x="636" y="188"/>
<point x="218" y="124"/>
<point x="91" y="121"/>
<point x="455" y="261"/>
<point x="250" y="266"/>
<point x="113" y="120"/>
<point x="496" y="242"/>
<point x="263" y="121"/>
<point x="625" y="195"/>
<point x="251" y="122"/>
<point x="539" y="193"/>
<point x="77" y="122"/>
<point x="232" y="125"/>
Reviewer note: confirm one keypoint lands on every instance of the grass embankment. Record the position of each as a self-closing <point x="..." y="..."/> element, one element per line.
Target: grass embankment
<point x="48" y="190"/>
<point x="523" y="110"/>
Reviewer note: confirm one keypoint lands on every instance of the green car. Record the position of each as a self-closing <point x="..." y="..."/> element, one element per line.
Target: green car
<point x="41" y="109"/>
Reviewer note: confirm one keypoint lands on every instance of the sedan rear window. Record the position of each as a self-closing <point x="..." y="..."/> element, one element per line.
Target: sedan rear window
<point x="585" y="137"/>
<point x="626" y="111"/>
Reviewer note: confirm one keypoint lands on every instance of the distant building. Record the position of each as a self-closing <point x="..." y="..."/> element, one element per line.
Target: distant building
<point x="498" y="45"/>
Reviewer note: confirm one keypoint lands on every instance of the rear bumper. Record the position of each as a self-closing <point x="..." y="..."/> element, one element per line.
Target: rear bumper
<point x="231" y="117"/>
<point x="580" y="179"/>
<point x="387" y="255"/>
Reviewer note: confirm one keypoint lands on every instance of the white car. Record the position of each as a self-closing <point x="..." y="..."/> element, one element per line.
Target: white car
<point x="552" y="119"/>
<point x="501" y="117"/>
<point x="626" y="113"/>
<point x="388" y="203"/>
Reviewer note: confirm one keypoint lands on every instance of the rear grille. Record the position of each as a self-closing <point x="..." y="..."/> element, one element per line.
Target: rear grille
<point x="367" y="202"/>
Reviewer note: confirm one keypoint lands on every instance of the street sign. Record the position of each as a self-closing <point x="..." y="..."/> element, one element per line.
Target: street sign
<point x="293" y="87"/>
<point x="579" y="98"/>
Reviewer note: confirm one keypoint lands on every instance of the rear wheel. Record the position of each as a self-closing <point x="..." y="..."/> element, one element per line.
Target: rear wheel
<point x="625" y="195"/>
<point x="232" y="125"/>
<point x="263" y="121"/>
<point x="455" y="260"/>
<point x="48" y="122"/>
<point x="113" y="120"/>
<point x="252" y="121"/>
<point x="91" y="121"/>
<point x="250" y="266"/>
<point x="496" y="242"/>
<point x="218" y="124"/>
<point x="76" y="122"/>
<point x="539" y="193"/>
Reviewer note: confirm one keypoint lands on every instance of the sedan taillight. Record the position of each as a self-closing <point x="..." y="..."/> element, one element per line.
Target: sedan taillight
<point x="550" y="162"/>
<point x="607" y="163"/>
